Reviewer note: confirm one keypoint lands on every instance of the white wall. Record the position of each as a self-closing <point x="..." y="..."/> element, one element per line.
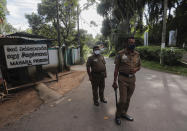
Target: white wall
<point x="76" y="55"/>
<point x="53" y="59"/>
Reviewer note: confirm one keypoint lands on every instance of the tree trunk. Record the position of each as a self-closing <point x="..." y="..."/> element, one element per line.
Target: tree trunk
<point x="60" y="55"/>
<point x="164" y="30"/>
<point x="129" y="26"/>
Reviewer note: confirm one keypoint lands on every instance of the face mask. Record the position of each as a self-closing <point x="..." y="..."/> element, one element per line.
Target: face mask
<point x="131" y="47"/>
<point x="97" y="52"/>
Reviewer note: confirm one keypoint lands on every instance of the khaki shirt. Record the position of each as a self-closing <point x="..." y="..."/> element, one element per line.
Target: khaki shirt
<point x="126" y="61"/>
<point x="97" y="63"/>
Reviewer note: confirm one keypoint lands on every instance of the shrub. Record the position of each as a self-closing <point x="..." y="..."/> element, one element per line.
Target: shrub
<point x="149" y="52"/>
<point x="171" y="56"/>
<point x="112" y="54"/>
<point x="86" y="51"/>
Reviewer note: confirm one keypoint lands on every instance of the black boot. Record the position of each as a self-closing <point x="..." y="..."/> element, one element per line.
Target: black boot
<point x="96" y="103"/>
<point x="127" y="117"/>
<point x="118" y="121"/>
<point x="103" y="101"/>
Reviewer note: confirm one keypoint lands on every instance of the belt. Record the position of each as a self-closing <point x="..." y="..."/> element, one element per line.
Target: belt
<point x="98" y="72"/>
<point x="126" y="75"/>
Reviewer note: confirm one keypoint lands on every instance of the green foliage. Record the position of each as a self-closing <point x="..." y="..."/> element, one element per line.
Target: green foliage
<point x="6" y="28"/>
<point x="155" y="34"/>
<point x="35" y="22"/>
<point x="180" y="22"/>
<point x="112" y="53"/>
<point x="104" y="7"/>
<point x="47" y="8"/>
<point x="176" y="21"/>
<point x="2" y="15"/>
<point x="86" y="51"/>
<point x="106" y="28"/>
<point x="87" y="42"/>
<point x="149" y="52"/>
<point x="171" y="55"/>
<point x="45" y="22"/>
<point x="28" y="30"/>
<point x="122" y="11"/>
<point x="123" y="17"/>
<point x="3" y="10"/>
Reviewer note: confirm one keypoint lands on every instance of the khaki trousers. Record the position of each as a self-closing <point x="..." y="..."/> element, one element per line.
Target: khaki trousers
<point x="126" y="89"/>
<point x="98" y="83"/>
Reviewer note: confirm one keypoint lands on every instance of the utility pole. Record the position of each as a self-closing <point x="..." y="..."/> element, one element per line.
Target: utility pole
<point x="78" y="31"/>
<point x="60" y="55"/>
<point x="164" y="30"/>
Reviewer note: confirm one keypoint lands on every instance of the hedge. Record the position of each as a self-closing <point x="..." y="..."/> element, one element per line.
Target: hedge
<point x="171" y="55"/>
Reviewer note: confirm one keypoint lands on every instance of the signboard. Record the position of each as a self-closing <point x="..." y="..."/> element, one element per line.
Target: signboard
<point x="26" y="55"/>
<point x="172" y="38"/>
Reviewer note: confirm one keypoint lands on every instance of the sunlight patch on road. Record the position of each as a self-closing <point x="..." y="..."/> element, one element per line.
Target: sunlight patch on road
<point x="69" y="100"/>
<point x="181" y="106"/>
<point x="111" y="110"/>
<point x="156" y="85"/>
<point x="106" y="118"/>
<point x="150" y="76"/>
<point x="153" y="104"/>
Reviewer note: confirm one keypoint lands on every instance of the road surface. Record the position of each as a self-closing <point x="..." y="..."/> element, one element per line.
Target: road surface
<point x="159" y="103"/>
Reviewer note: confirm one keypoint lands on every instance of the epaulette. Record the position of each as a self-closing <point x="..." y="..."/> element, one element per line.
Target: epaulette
<point x="121" y="51"/>
<point x="136" y="52"/>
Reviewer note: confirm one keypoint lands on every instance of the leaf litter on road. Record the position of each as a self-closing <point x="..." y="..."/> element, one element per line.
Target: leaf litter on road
<point x="69" y="100"/>
<point x="106" y="118"/>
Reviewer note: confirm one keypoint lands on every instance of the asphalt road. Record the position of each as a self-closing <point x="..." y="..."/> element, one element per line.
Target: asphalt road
<point x="159" y="103"/>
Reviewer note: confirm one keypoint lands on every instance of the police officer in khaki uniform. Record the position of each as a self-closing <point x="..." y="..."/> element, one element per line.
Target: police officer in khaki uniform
<point x="96" y="70"/>
<point x="127" y="63"/>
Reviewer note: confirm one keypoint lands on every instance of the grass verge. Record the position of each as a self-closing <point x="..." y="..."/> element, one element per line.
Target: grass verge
<point x="181" y="70"/>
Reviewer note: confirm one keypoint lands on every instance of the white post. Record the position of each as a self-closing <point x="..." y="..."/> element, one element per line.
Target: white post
<point x="146" y="43"/>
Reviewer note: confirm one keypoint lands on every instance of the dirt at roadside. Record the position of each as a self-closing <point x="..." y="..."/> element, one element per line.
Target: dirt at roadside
<point x="27" y="101"/>
<point x="67" y="82"/>
<point x="20" y="104"/>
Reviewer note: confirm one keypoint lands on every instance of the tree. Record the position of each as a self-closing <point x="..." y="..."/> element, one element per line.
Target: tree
<point x="122" y="11"/>
<point x="128" y="15"/>
<point x="5" y="28"/>
<point x="3" y="10"/>
<point x="121" y="19"/>
<point x="35" y="21"/>
<point x="47" y="16"/>
<point x="175" y="20"/>
<point x="179" y="22"/>
<point x="164" y="30"/>
<point x="67" y="16"/>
